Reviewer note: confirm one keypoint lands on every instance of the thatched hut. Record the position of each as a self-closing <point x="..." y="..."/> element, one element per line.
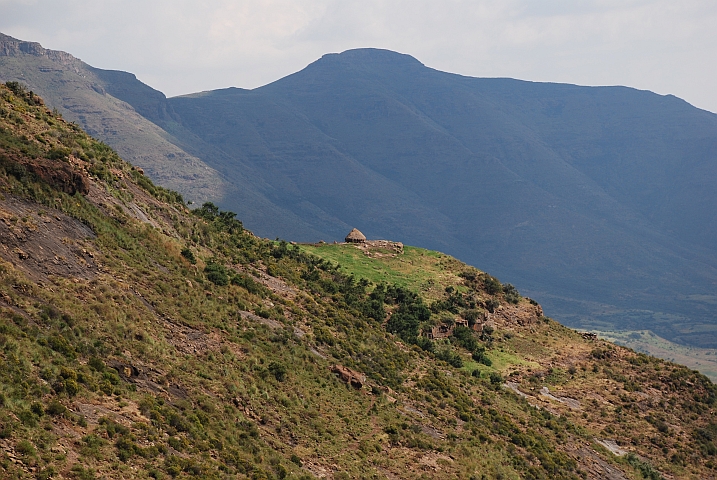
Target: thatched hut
<point x="355" y="236"/>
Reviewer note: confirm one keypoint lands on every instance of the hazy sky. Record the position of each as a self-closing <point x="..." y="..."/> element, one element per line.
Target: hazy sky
<point x="182" y="46"/>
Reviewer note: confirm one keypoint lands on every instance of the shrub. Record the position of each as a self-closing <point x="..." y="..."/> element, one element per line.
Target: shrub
<point x="410" y="314"/>
<point x="189" y="255"/>
<point x="46" y="473"/>
<point x="449" y="356"/>
<point x="479" y="356"/>
<point x="217" y="274"/>
<point x="17" y="88"/>
<point x="492" y="285"/>
<point x="71" y="387"/>
<point x="55" y="408"/>
<point x="97" y="364"/>
<point x="59" y="344"/>
<point x="491" y="304"/>
<point x="25" y="448"/>
<point x="251" y="286"/>
<point x="645" y="469"/>
<point x="278" y="370"/>
<point x="37" y="409"/>
<point x="511" y="293"/>
<point x="464" y="337"/>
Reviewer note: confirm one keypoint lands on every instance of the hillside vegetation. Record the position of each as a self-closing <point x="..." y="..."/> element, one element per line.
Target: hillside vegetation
<point x="141" y="340"/>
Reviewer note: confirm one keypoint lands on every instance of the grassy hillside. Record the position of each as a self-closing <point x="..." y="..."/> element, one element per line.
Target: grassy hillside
<point x="141" y="340"/>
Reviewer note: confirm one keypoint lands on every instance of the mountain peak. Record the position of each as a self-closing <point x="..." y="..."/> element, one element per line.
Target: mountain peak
<point x="370" y="56"/>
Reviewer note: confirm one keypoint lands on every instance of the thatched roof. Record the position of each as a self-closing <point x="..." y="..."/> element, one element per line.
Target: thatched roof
<point x="355" y="236"/>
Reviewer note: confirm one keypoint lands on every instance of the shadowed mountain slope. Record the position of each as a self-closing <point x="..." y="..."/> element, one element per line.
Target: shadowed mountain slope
<point x="580" y="194"/>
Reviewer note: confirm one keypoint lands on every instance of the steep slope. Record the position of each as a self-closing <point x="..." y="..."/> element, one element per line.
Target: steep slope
<point x="141" y="340"/>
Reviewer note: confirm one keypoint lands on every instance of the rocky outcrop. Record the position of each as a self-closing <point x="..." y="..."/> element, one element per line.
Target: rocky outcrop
<point x="55" y="173"/>
<point x="12" y="47"/>
<point x="352" y="377"/>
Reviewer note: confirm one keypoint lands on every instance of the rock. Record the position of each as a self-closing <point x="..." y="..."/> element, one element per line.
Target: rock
<point x="352" y="377"/>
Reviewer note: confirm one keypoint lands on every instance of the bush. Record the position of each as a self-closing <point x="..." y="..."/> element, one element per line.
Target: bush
<point x="492" y="285"/>
<point x="55" y="408"/>
<point x="251" y="286"/>
<point x="17" y="88"/>
<point x="449" y="356"/>
<point x="511" y="293"/>
<point x="479" y="356"/>
<point x="278" y="370"/>
<point x="216" y="274"/>
<point x="25" y="448"/>
<point x="496" y="378"/>
<point x="97" y="364"/>
<point x="37" y="409"/>
<point x="464" y="337"/>
<point x="410" y="314"/>
<point x="189" y="255"/>
<point x="645" y="469"/>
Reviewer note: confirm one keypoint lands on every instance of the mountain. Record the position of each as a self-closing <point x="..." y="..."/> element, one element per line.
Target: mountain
<point x="596" y="201"/>
<point x="140" y="339"/>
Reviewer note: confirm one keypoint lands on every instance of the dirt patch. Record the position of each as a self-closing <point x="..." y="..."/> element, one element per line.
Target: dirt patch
<point x="43" y="242"/>
<point x="435" y="461"/>
<point x="432" y="432"/>
<point x="271" y="323"/>
<point x="111" y="205"/>
<point x="190" y="341"/>
<point x="93" y="413"/>
<point x="276" y="285"/>
<point x="522" y="314"/>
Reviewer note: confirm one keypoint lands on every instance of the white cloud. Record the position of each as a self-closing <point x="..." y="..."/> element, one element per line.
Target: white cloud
<point x="180" y="46"/>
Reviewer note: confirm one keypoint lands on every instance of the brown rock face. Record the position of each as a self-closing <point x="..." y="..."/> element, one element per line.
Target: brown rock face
<point x="352" y="377"/>
<point x="61" y="177"/>
<point x="53" y="172"/>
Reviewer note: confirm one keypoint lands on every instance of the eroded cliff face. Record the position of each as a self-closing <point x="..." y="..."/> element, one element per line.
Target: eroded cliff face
<point x="11" y="47"/>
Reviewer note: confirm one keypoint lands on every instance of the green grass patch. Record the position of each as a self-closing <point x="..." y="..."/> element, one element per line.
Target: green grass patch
<point x="423" y="271"/>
